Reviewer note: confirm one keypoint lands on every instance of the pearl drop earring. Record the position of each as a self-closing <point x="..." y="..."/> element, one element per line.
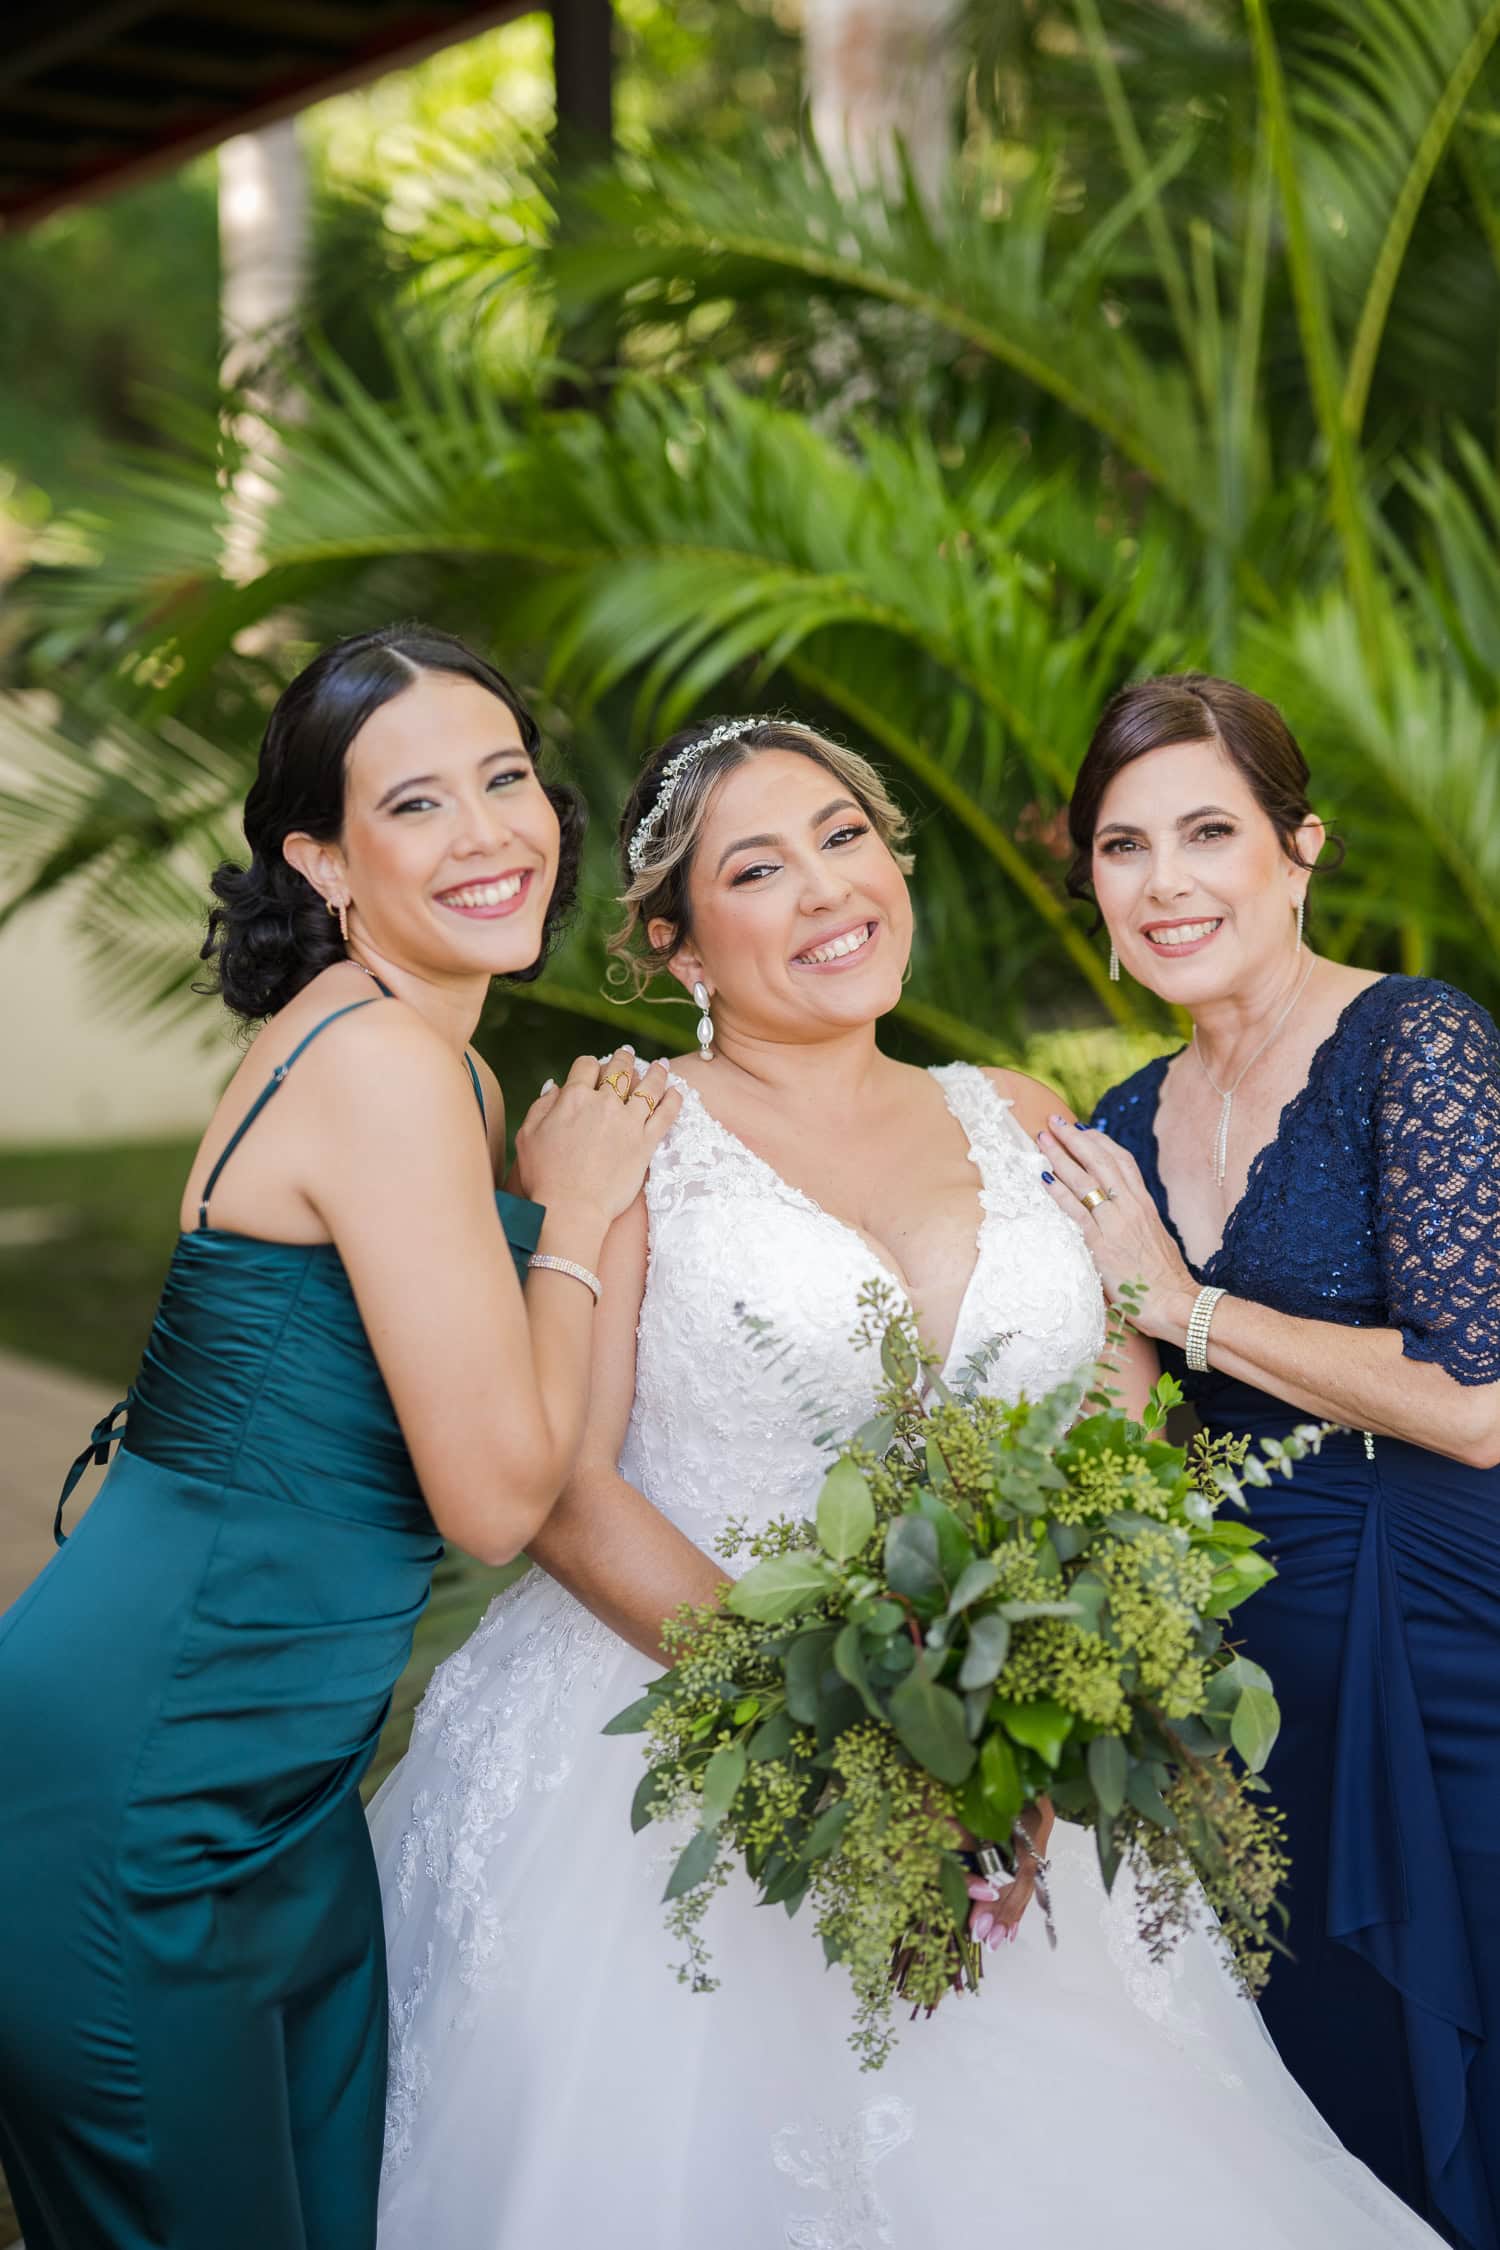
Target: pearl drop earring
<point x="703" y="996"/>
<point x="1114" y="966"/>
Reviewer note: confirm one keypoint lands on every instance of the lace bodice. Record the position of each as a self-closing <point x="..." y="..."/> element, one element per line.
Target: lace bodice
<point x="1377" y="1201"/>
<point x="745" y="1351"/>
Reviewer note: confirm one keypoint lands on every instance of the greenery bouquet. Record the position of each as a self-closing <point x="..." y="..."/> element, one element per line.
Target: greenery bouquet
<point x="993" y="1604"/>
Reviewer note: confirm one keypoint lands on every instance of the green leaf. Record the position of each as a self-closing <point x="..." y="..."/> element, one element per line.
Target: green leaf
<point x="1020" y="1613"/>
<point x="994" y="1793"/>
<point x="1255" y="1726"/>
<point x="954" y="1879"/>
<point x="911" y="1558"/>
<point x="1109" y="1771"/>
<point x="1144" y="1794"/>
<point x="974" y="1581"/>
<point x="823" y="1837"/>
<point x="878" y="1435"/>
<point x="694" y="1865"/>
<point x="846" y="1513"/>
<point x="632" y="1720"/>
<point x="780" y="1587"/>
<point x="955" y="1548"/>
<point x="771" y="1739"/>
<point x="721" y="1781"/>
<point x="884" y="1618"/>
<point x="849" y="1662"/>
<point x="1043" y="1726"/>
<point x="929" y="1723"/>
<point x="807" y="1660"/>
<point x="745" y="1710"/>
<point x="989" y="1645"/>
<point x="1108" y="1850"/>
<point x="1227" y="1684"/>
<point x="651" y="1786"/>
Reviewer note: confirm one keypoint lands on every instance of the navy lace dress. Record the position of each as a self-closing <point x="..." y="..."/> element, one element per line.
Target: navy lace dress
<point x="1377" y="1204"/>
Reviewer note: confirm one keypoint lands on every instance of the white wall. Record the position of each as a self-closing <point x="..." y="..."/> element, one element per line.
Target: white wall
<point x="70" y="1072"/>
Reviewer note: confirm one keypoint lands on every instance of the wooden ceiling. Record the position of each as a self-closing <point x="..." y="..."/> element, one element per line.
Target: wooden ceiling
<point x="95" y="93"/>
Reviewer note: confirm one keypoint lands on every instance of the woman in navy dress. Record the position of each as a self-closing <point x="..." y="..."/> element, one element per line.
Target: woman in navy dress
<point x="343" y="1368"/>
<point x="1309" y="1192"/>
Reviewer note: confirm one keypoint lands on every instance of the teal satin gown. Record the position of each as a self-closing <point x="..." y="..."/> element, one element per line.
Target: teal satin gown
<point x="192" y="1968"/>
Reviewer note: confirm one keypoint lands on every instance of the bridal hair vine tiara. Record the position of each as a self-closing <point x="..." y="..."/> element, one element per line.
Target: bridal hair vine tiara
<point x="648" y="824"/>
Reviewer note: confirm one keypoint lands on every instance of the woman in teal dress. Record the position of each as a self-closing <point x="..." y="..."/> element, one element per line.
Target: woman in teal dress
<point x="343" y="1370"/>
<point x="1310" y="1192"/>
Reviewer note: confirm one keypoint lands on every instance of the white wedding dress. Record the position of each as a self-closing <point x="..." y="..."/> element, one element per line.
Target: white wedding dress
<point x="554" y="2087"/>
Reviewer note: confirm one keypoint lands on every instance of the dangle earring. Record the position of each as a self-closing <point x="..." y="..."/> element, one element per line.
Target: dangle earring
<point x="1114" y="966"/>
<point x="1301" y="919"/>
<point x="702" y="996"/>
<point x="339" y="909"/>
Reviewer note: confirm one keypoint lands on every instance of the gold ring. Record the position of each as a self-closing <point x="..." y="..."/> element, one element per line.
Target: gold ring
<point x="1092" y="1198"/>
<point x="640" y="1095"/>
<point x="618" y="1078"/>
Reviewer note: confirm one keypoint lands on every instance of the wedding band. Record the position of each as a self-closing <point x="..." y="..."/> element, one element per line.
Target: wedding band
<point x="640" y="1095"/>
<point x="1091" y="1199"/>
<point x="617" y="1079"/>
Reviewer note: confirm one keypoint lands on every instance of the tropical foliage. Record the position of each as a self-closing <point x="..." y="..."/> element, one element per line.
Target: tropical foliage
<point x="1196" y="364"/>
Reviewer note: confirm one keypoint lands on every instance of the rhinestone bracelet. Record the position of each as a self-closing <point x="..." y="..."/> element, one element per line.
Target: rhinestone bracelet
<point x="590" y="1281"/>
<point x="1200" y="1320"/>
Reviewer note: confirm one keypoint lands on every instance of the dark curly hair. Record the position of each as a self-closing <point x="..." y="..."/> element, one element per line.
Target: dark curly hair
<point x="270" y="933"/>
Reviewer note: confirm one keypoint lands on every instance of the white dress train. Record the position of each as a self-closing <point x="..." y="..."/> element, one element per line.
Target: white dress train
<point x="552" y="2084"/>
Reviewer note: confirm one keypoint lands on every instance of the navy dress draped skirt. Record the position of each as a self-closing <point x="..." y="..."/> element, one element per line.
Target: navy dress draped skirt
<point x="1377" y="1203"/>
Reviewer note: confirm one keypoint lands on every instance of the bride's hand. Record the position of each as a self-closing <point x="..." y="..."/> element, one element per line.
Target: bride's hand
<point x="996" y="1913"/>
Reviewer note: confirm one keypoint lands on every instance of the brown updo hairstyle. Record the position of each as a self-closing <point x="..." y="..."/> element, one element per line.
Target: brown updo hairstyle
<point x="1192" y="707"/>
<point x="660" y="891"/>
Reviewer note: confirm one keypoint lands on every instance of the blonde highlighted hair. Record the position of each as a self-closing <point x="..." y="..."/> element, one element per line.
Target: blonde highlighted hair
<point x="659" y="892"/>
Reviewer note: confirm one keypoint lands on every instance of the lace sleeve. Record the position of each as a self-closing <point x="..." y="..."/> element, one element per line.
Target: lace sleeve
<point x="1437" y="1152"/>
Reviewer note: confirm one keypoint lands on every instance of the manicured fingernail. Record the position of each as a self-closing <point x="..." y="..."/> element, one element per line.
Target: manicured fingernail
<point x="978" y="1888"/>
<point x="627" y="1049"/>
<point x="1056" y="1122"/>
<point x="980" y="1927"/>
<point x="1050" y="1178"/>
<point x="549" y="1086"/>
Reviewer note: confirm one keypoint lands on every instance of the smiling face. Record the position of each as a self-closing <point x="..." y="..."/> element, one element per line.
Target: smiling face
<point x="800" y="918"/>
<point x="449" y="845"/>
<point x="1191" y="877"/>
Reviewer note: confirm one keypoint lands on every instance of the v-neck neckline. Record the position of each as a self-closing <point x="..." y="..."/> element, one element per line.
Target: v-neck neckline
<point x="810" y="1204"/>
<point x="1291" y="1111"/>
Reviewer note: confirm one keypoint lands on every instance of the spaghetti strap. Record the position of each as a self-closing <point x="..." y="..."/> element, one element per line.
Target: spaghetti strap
<point x="272" y="1086"/>
<point x="478" y="1089"/>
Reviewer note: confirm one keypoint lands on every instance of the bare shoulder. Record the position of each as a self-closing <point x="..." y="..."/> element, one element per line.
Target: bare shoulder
<point x="1033" y="1104"/>
<point x="389" y="1066"/>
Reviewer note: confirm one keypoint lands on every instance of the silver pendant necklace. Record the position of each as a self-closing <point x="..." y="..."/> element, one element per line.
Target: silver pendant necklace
<point x="1227" y="1093"/>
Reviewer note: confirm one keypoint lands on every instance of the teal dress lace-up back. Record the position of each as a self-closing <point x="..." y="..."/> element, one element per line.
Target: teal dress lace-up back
<point x="192" y="1968"/>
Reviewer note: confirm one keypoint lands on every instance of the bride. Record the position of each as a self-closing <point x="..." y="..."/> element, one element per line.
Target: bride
<point x="551" y="2082"/>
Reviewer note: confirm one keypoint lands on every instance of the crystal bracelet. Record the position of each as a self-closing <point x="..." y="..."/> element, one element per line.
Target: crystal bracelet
<point x="1200" y="1320"/>
<point x="590" y="1281"/>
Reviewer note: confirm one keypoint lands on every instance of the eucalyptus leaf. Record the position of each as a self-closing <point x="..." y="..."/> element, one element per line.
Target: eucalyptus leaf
<point x="632" y="1720"/>
<point x="823" y="1837"/>
<point x="989" y="1645"/>
<point x="649" y="1789"/>
<point x="1108" y="1762"/>
<point x="1143" y="1793"/>
<point x="1043" y="1726"/>
<point x="806" y="1661"/>
<point x="781" y="1587"/>
<point x="846" y="1512"/>
<point x="954" y="1879"/>
<point x="771" y="1739"/>
<point x="929" y="1722"/>
<point x="722" y="1776"/>
<point x="694" y="1865"/>
<point x="955" y="1548"/>
<point x="974" y="1582"/>
<point x="911" y="1558"/>
<point x="898" y="1356"/>
<point x="877" y="1436"/>
<point x="849" y="1661"/>
<point x="1255" y="1726"/>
